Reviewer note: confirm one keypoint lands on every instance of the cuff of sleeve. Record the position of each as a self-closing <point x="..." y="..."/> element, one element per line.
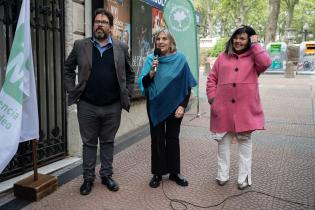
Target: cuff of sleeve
<point x="211" y="94"/>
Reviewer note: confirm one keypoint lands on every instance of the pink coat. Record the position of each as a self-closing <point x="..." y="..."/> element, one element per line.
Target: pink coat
<point x="233" y="83"/>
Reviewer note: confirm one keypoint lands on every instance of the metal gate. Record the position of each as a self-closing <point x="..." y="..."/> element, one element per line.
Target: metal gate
<point x="47" y="28"/>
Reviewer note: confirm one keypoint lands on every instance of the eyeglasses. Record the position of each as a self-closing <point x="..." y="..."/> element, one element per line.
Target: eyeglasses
<point x="101" y="22"/>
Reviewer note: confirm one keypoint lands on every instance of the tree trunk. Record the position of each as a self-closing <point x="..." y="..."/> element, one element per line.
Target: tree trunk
<point x="271" y="28"/>
<point x="290" y="16"/>
<point x="290" y="4"/>
<point x="210" y="20"/>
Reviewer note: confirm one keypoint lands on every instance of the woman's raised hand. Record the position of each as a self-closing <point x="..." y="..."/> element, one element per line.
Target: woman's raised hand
<point x="254" y="39"/>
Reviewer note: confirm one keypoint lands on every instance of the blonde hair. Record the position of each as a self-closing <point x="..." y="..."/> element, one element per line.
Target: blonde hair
<point x="169" y="36"/>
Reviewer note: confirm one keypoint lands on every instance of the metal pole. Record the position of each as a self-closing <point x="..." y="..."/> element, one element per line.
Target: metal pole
<point x="305" y="35"/>
<point x="198" y="51"/>
<point x="34" y="154"/>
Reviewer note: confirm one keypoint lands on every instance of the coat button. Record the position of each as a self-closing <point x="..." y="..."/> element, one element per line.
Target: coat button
<point x="236" y="69"/>
<point x="234" y="85"/>
<point x="233" y="101"/>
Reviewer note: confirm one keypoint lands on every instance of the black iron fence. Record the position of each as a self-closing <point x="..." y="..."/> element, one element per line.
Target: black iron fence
<point x="47" y="28"/>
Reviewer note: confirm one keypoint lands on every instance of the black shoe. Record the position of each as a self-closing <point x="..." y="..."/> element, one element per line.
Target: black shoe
<point x="110" y="183"/>
<point x="86" y="187"/>
<point x="179" y="179"/>
<point x="155" y="181"/>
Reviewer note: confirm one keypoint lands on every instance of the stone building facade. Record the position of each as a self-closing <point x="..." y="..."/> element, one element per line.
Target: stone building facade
<point x="55" y="25"/>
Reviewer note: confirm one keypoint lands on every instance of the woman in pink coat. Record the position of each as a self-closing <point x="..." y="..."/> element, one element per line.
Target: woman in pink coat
<point x="236" y="111"/>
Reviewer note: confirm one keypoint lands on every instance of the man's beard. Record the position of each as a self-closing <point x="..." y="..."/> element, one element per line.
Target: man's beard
<point x="100" y="35"/>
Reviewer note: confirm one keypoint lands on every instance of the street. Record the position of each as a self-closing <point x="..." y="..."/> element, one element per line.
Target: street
<point x="283" y="171"/>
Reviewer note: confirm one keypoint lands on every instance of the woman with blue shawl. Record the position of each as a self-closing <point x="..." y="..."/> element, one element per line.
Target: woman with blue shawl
<point x="166" y="82"/>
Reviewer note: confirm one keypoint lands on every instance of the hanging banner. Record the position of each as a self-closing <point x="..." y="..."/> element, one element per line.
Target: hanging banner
<point x="180" y="19"/>
<point x="18" y="101"/>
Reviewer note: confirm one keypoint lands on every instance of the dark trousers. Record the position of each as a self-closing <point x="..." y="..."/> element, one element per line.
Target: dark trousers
<point x="98" y="123"/>
<point x="165" y="151"/>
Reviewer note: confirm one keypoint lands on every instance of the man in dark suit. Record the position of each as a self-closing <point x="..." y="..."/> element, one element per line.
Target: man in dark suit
<point x="103" y="88"/>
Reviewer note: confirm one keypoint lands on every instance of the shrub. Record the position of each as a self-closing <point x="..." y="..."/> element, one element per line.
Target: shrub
<point x="218" y="47"/>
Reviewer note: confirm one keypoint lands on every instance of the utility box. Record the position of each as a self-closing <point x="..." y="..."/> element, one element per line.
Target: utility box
<point x="278" y="54"/>
<point x="307" y="58"/>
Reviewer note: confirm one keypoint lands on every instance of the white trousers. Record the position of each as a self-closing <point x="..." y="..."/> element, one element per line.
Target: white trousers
<point x="245" y="157"/>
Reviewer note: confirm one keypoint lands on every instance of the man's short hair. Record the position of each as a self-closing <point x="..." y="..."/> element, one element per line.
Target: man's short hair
<point x="106" y="13"/>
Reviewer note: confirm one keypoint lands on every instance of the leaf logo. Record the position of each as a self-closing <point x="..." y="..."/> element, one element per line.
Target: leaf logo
<point x="180" y="18"/>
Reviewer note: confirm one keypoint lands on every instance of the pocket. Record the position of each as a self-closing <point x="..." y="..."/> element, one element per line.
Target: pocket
<point x="213" y="108"/>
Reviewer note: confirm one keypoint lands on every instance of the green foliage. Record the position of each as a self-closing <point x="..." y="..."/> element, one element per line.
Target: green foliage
<point x="218" y="47"/>
<point x="304" y="12"/>
<point x="221" y="17"/>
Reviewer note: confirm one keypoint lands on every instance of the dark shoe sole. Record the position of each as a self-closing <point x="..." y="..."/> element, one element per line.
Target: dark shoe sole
<point x="113" y="189"/>
<point x="243" y="188"/>
<point x="155" y="181"/>
<point x="155" y="185"/>
<point x="180" y="183"/>
<point x="222" y="183"/>
<point x="84" y="193"/>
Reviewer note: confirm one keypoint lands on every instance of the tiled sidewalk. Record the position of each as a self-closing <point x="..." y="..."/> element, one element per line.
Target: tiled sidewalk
<point x="283" y="162"/>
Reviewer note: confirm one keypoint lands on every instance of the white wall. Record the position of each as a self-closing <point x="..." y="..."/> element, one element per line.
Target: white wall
<point x="208" y="42"/>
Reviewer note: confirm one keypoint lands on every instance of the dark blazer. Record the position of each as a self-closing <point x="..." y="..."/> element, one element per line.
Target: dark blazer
<point x="81" y="56"/>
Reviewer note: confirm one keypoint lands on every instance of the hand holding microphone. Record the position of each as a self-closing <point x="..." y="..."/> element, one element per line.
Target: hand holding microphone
<point x="157" y="54"/>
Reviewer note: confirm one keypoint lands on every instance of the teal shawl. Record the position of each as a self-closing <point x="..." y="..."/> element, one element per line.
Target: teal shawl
<point x="169" y="87"/>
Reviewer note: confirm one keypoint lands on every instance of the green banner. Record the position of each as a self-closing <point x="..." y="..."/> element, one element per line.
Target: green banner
<point x="179" y="16"/>
<point x="18" y="102"/>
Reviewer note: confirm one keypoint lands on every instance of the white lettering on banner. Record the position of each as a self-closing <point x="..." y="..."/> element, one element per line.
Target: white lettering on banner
<point x="8" y="110"/>
<point x="4" y="123"/>
<point x="160" y="2"/>
<point x="16" y="64"/>
<point x="157" y="3"/>
<point x="7" y="115"/>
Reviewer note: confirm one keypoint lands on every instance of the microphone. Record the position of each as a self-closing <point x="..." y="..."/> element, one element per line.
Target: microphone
<point x="157" y="54"/>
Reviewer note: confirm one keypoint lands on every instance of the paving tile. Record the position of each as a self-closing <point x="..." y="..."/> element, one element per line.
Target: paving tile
<point x="283" y="171"/>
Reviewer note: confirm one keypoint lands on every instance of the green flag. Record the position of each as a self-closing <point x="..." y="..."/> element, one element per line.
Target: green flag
<point x="18" y="101"/>
<point x="180" y="19"/>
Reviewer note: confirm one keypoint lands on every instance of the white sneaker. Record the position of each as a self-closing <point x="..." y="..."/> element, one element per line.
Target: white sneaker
<point x="244" y="185"/>
<point x="222" y="183"/>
